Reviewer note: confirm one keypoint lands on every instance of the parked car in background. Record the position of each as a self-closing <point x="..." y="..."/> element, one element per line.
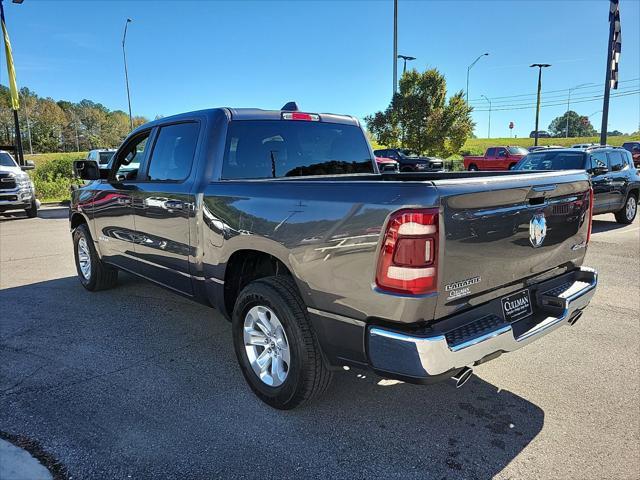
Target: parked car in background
<point x="16" y="188"/>
<point x="584" y="145"/>
<point x="541" y="134"/>
<point x="387" y="164"/>
<point x="495" y="158"/>
<point x="634" y="149"/>
<point x="410" y="161"/>
<point x="615" y="180"/>
<point x="101" y="155"/>
<point x="279" y="219"/>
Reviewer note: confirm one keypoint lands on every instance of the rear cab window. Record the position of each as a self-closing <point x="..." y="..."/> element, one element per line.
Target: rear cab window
<point x="258" y="149"/>
<point x="553" y="160"/>
<point x="491" y="152"/>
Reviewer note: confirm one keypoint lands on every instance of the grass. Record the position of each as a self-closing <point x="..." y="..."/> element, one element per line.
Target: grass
<point x="477" y="146"/>
<point x="42" y="158"/>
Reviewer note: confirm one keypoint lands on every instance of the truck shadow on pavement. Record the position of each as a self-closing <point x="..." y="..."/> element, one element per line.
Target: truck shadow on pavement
<point x="138" y="381"/>
<point x="48" y="213"/>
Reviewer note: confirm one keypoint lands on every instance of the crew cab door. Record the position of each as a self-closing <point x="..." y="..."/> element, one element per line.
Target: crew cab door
<point x="501" y="161"/>
<point x="602" y="182"/>
<point x="112" y="204"/>
<point x="164" y="204"/>
<point x="489" y="159"/>
<point x="619" y="178"/>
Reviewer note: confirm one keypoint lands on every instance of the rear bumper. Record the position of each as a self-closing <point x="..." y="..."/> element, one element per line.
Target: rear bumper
<point x="433" y="353"/>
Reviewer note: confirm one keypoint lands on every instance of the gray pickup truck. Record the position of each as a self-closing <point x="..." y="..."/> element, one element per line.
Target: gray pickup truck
<point x="281" y="221"/>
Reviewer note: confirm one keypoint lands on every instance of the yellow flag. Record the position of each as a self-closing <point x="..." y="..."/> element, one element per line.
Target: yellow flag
<point x="13" y="87"/>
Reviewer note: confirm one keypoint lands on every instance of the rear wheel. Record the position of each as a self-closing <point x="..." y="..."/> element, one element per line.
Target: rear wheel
<point x="473" y="168"/>
<point x="93" y="273"/>
<point x="278" y="352"/>
<point x="32" y="211"/>
<point x="628" y="213"/>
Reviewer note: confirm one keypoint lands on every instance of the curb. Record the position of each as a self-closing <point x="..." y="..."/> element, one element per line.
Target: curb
<point x="25" y="458"/>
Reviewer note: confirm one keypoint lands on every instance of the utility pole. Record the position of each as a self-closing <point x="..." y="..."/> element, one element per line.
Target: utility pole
<point x="540" y="67"/>
<point x="395" y="46"/>
<point x="487" y="99"/>
<point x="126" y="73"/>
<point x="614" y="18"/>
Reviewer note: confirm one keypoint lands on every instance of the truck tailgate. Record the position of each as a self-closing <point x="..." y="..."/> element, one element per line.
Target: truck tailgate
<point x="498" y="232"/>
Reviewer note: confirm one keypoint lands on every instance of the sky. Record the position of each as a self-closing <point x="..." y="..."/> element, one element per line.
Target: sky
<point x="331" y="56"/>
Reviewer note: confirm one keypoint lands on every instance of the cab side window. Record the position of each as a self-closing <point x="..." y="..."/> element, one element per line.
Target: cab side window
<point x="599" y="159"/>
<point x="128" y="162"/>
<point x="502" y="152"/>
<point x="491" y="152"/>
<point x="616" y="161"/>
<point x="173" y="152"/>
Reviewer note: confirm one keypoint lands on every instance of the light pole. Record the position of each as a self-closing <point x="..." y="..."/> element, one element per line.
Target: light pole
<point x="469" y="69"/>
<point x="405" y="58"/>
<point x="569" y="102"/>
<point x="395" y="47"/>
<point x="126" y="73"/>
<point x="487" y="99"/>
<point x="540" y="66"/>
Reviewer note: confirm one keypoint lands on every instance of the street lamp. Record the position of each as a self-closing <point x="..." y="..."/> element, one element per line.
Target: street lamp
<point x="469" y="69"/>
<point x="126" y="73"/>
<point x="569" y="102"/>
<point x="540" y="66"/>
<point x="487" y="99"/>
<point x="405" y="58"/>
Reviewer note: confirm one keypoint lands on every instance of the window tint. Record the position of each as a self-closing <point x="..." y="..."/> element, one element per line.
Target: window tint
<point x="552" y="161"/>
<point x="283" y="148"/>
<point x="501" y="152"/>
<point x="173" y="152"/>
<point x="616" y="162"/>
<point x="599" y="159"/>
<point x="491" y="152"/>
<point x="105" y="157"/>
<point x="128" y="161"/>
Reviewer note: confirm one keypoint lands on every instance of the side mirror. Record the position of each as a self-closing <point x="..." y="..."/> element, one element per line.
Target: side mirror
<point x="86" y="169"/>
<point x="599" y="171"/>
<point x="29" y="165"/>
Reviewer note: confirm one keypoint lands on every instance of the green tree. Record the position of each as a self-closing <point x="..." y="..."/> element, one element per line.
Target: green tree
<point x="420" y="117"/>
<point x="579" y="126"/>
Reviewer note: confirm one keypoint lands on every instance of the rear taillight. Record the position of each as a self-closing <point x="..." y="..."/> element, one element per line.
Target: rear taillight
<point x="408" y="261"/>
<point x="590" y="214"/>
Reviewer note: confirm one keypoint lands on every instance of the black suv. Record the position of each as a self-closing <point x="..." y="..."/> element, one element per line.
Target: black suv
<point x="615" y="179"/>
<point x="410" y="161"/>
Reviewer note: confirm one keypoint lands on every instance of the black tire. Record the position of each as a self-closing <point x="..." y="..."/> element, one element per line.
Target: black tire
<point x="101" y="276"/>
<point x="32" y="211"/>
<point x="307" y="375"/>
<point x="511" y="166"/>
<point x="472" y="168"/>
<point x="627" y="214"/>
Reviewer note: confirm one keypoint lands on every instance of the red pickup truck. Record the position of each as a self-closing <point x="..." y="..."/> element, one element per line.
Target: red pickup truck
<point x="495" y="158"/>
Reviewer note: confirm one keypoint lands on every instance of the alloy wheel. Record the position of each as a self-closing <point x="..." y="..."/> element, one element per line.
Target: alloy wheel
<point x="84" y="258"/>
<point x="266" y="345"/>
<point x="631" y="207"/>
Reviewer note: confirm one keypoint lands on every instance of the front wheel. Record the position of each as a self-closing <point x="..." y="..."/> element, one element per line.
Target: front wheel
<point x="628" y="213"/>
<point x="93" y="273"/>
<point x="32" y="211"/>
<point x="278" y="352"/>
<point x="472" y="168"/>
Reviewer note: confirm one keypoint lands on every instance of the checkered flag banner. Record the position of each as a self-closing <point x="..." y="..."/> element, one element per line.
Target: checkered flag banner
<point x="616" y="43"/>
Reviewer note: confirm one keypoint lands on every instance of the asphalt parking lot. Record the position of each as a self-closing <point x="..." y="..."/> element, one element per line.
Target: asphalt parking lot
<point x="137" y="382"/>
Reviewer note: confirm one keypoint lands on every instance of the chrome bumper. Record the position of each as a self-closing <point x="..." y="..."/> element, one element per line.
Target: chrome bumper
<point x="16" y="197"/>
<point x="557" y="302"/>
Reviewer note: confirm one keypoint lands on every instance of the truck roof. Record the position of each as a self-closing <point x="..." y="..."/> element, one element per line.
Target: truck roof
<point x="250" y="114"/>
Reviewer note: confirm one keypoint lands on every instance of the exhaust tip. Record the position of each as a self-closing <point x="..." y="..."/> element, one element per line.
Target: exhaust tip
<point x="575" y="319"/>
<point x="462" y="377"/>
